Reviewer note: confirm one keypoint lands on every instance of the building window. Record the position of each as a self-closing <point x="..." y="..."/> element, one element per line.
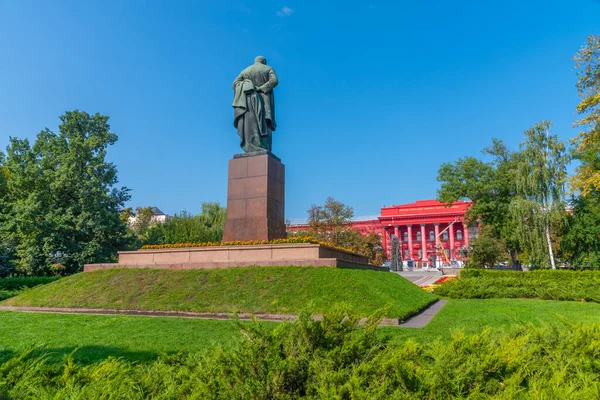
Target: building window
<point x="445" y="236"/>
<point x="406" y="254"/>
<point x="406" y="236"/>
<point x="419" y="254"/>
<point x="447" y="252"/>
<point x="431" y="236"/>
<point x="458" y="235"/>
<point x="418" y="236"/>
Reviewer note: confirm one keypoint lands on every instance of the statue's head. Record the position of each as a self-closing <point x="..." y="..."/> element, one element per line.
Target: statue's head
<point x="260" y="59"/>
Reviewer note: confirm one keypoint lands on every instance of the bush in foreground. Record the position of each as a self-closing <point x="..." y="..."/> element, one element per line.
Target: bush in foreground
<point x="542" y="284"/>
<point x="332" y="358"/>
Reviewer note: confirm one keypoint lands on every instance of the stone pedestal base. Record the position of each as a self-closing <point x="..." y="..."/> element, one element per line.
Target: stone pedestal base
<point x="264" y="255"/>
<point x="255" y="198"/>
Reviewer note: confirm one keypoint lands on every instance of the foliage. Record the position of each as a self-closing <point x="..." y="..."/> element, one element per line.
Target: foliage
<point x="580" y="245"/>
<point x="332" y="223"/>
<point x="184" y="227"/>
<point x="19" y="283"/>
<point x="519" y="195"/>
<point x="487" y="250"/>
<point x="331" y="358"/>
<point x="10" y="287"/>
<point x="542" y="284"/>
<point x="369" y="245"/>
<point x="7" y="241"/>
<point x="144" y="219"/>
<point x="61" y="203"/>
<point x="8" y="254"/>
<point x="490" y="185"/>
<point x="253" y="290"/>
<point x="587" y="143"/>
<point x="539" y="205"/>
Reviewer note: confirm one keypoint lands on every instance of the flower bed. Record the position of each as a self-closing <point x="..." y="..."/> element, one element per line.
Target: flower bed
<point x="444" y="279"/>
<point x="294" y="240"/>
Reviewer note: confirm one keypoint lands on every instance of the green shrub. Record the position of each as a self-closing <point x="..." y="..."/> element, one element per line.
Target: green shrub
<point x="542" y="284"/>
<point x="332" y="358"/>
<point x="6" y="294"/>
<point x="10" y="287"/>
<point x="18" y="283"/>
<point x="187" y="228"/>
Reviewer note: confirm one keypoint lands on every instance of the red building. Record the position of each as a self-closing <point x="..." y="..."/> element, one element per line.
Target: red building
<point x="428" y="231"/>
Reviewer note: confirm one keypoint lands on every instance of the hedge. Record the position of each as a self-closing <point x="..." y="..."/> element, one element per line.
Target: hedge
<point x="541" y="284"/>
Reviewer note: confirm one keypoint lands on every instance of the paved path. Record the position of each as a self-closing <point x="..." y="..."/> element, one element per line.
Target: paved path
<point x="423" y="318"/>
<point x="421" y="278"/>
<point x="197" y="315"/>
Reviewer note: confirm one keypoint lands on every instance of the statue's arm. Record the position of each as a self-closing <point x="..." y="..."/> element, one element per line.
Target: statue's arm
<point x="239" y="79"/>
<point x="271" y="83"/>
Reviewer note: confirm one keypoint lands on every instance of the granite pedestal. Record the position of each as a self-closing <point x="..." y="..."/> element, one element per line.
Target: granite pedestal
<point x="265" y="255"/>
<point x="255" y="198"/>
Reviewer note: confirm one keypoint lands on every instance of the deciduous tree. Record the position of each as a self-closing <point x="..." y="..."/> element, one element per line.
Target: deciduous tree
<point x="487" y="249"/>
<point x="63" y="205"/>
<point x="580" y="245"/>
<point x="330" y="221"/>
<point x="490" y="184"/>
<point x="587" y="143"/>
<point x="539" y="205"/>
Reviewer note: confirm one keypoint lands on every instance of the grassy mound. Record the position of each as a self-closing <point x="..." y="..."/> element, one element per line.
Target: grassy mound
<point x="250" y="290"/>
<point x="542" y="284"/>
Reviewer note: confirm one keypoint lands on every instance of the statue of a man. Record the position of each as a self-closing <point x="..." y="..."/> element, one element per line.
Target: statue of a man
<point x="254" y="106"/>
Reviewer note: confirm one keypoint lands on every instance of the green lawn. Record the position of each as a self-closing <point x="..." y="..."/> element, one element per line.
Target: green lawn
<point x="474" y="315"/>
<point x="98" y="336"/>
<point x="143" y="338"/>
<point x="251" y="290"/>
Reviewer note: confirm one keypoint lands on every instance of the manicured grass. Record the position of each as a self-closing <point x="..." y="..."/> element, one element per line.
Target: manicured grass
<point x="250" y="290"/>
<point x="144" y="338"/>
<point x="474" y="315"/>
<point x="95" y="337"/>
<point x="541" y="284"/>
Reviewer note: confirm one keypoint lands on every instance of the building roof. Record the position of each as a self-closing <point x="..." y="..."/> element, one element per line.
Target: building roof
<point x="157" y="211"/>
<point x="425" y="211"/>
<point x="421" y="211"/>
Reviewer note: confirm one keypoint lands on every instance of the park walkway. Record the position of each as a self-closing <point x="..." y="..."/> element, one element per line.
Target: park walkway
<point x="421" y="278"/>
<point x="418" y="321"/>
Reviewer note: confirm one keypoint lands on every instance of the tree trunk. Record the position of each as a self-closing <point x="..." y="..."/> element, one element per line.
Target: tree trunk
<point x="514" y="261"/>
<point x="550" y="245"/>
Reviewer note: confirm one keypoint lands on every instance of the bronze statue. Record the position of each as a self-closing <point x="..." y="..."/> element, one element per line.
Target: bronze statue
<point x="254" y="106"/>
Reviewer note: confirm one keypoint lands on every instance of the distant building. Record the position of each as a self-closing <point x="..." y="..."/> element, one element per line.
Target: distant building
<point x="429" y="232"/>
<point x="159" y="217"/>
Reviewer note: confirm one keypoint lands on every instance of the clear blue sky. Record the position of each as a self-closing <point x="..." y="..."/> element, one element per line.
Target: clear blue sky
<point x="373" y="95"/>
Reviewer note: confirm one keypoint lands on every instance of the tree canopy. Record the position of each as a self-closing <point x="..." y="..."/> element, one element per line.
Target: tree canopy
<point x="61" y="202"/>
<point x="587" y="143"/>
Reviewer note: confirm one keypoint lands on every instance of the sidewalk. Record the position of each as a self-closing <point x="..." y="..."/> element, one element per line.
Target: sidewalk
<point x="218" y="316"/>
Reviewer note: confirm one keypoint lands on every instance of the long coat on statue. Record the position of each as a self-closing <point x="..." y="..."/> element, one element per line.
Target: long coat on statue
<point x="254" y="106"/>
